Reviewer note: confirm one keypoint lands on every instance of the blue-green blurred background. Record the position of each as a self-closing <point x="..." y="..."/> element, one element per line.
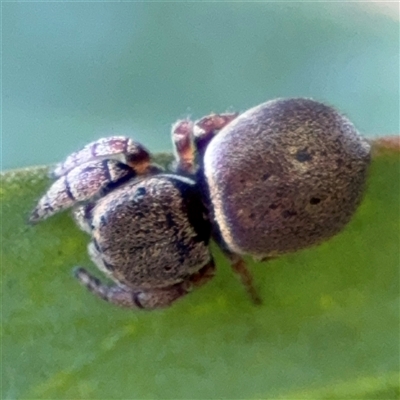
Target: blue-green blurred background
<point x="73" y="72"/>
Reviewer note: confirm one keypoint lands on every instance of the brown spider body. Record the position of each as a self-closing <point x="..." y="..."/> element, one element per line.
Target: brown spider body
<point x="282" y="176"/>
<point x="151" y="233"/>
<point x="294" y="172"/>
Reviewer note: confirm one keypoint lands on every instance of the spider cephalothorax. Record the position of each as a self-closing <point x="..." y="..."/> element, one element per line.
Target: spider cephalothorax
<point x="280" y="177"/>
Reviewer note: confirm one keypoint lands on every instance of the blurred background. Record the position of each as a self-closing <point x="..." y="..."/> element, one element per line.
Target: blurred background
<point x="73" y="72"/>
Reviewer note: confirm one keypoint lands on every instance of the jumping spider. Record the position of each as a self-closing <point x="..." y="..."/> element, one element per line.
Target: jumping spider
<point x="280" y="177"/>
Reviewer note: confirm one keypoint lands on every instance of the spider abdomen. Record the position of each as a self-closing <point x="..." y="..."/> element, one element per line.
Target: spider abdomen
<point x="285" y="175"/>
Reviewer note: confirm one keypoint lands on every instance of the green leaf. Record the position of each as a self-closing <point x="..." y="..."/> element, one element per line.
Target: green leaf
<point x="328" y="327"/>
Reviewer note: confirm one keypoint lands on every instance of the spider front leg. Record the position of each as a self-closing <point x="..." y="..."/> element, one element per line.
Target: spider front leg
<point x="93" y="171"/>
<point x="149" y="299"/>
<point x="81" y="184"/>
<point x="119" y="148"/>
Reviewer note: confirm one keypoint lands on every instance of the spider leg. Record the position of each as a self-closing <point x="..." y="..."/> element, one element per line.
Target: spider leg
<point x="81" y="214"/>
<point x="118" y="148"/>
<point x="184" y="151"/>
<point x="205" y="128"/>
<point x="240" y="268"/>
<point x="191" y="139"/>
<point x="148" y="299"/>
<point x="81" y="184"/>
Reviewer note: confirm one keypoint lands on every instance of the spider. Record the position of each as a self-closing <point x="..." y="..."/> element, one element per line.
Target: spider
<point x="282" y="176"/>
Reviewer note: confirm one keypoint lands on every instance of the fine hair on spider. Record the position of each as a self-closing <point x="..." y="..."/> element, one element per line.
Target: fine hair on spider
<point x="285" y="175"/>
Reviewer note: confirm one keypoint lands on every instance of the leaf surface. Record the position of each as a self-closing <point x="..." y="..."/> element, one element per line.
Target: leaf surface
<point x="328" y="327"/>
